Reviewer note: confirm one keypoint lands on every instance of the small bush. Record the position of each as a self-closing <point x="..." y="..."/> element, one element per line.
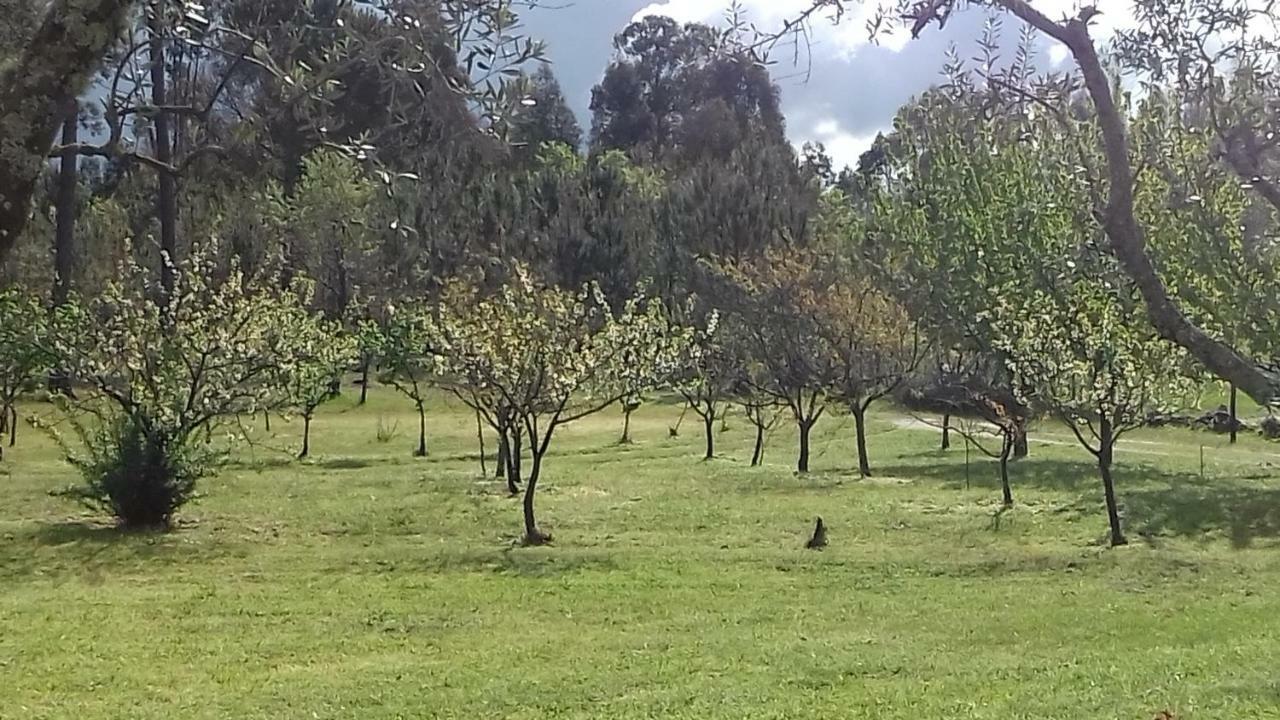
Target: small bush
<point x="139" y="476"/>
<point x="387" y="433"/>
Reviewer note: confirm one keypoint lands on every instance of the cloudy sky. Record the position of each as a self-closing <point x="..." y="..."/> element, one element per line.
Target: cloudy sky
<point x="854" y="87"/>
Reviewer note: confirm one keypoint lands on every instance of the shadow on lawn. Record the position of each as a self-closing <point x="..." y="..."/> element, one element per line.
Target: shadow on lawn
<point x="524" y="562"/>
<point x="1156" y="502"/>
<point x="93" y="549"/>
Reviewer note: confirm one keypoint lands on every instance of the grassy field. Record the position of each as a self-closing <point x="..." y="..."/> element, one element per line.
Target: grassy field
<point x="367" y="584"/>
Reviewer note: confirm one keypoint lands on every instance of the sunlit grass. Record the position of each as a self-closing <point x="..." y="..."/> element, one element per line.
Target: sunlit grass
<point x="366" y="583"/>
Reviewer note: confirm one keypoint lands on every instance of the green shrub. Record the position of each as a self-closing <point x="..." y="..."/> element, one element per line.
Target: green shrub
<point x="138" y="475"/>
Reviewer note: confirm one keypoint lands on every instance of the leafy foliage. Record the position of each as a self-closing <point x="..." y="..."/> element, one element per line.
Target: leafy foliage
<point x="549" y="356"/>
<point x="166" y="373"/>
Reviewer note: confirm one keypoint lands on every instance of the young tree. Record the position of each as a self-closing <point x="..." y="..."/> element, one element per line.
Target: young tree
<point x="763" y="412"/>
<point x="876" y="344"/>
<point x="708" y="382"/>
<point x="322" y="360"/>
<point x="165" y="375"/>
<point x="769" y="309"/>
<point x="328" y="222"/>
<point x="554" y="356"/>
<point x="1085" y="352"/>
<point x="409" y="359"/>
<point x="25" y="354"/>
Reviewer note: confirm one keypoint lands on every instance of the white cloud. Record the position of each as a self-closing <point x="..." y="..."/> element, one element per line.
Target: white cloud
<point x="844" y="147"/>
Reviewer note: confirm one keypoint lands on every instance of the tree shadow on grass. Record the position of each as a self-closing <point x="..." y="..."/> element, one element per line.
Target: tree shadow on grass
<point x="1190" y="507"/>
<point x="983" y="473"/>
<point x="93" y="549"/>
<point x="523" y="562"/>
<point x="1156" y="503"/>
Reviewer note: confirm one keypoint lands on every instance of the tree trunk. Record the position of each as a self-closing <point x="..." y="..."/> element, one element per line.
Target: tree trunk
<point x="4" y="419"/>
<point x="1021" y="447"/>
<point x="1105" y="455"/>
<point x="266" y="417"/>
<point x="626" y="428"/>
<point x="422" y="431"/>
<point x="708" y="423"/>
<point x="484" y="469"/>
<point x="65" y="230"/>
<point x="802" y="465"/>
<point x="533" y="536"/>
<point x="1006" y="449"/>
<point x="57" y="63"/>
<point x="13" y="425"/>
<point x="306" y="436"/>
<point x="946" y="431"/>
<point x="65" y="227"/>
<point x="1128" y="242"/>
<point x="1234" y="422"/>
<point x="364" y="380"/>
<point x="515" y="452"/>
<point x="503" y="450"/>
<point x="860" y="429"/>
<point x="757" y="455"/>
<point x="167" y="198"/>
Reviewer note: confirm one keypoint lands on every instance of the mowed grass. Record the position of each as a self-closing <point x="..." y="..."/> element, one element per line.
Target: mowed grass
<point x="367" y="584"/>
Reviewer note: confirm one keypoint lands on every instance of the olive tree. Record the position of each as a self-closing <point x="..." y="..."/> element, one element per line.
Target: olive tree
<point x="1019" y="225"/>
<point x="1189" y="45"/>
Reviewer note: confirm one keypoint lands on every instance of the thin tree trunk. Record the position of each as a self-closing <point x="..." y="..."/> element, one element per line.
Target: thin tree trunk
<point x="503" y="450"/>
<point x="802" y="465"/>
<point x="1006" y="449"/>
<point x="946" y="431"/>
<point x="266" y="416"/>
<point x="515" y="451"/>
<point x="757" y="455"/>
<point x="306" y="436"/>
<point x="422" y="431"/>
<point x="1105" y="455"/>
<point x="626" y="428"/>
<point x="708" y="422"/>
<point x="860" y="429"/>
<point x="1234" y="422"/>
<point x="484" y="469"/>
<point x="1021" y="447"/>
<point x="13" y="425"/>
<point x="167" y="198"/>
<point x="364" y="380"/>
<point x="533" y="536"/>
<point x="4" y="419"/>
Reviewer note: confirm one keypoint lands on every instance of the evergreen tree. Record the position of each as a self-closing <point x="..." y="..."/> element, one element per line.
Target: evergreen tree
<point x="545" y="117"/>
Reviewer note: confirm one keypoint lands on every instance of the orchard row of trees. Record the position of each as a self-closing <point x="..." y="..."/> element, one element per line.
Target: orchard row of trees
<point x="391" y="193"/>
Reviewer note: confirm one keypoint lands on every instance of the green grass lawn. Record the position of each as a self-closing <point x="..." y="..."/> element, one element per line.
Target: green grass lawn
<point x="367" y="584"/>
